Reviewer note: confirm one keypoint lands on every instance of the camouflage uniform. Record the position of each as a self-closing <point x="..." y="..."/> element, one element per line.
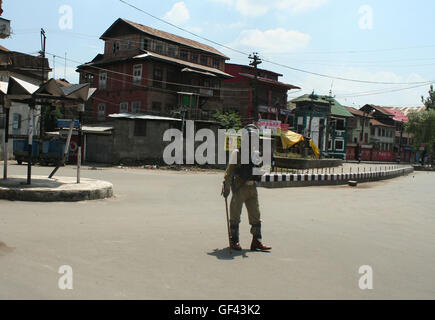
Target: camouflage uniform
<point x="244" y="192"/>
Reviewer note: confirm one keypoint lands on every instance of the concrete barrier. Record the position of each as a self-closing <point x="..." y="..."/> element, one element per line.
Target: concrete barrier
<point x="288" y="163"/>
<point x="282" y="180"/>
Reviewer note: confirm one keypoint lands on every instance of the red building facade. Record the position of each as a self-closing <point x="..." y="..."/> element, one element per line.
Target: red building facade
<point x="144" y="70"/>
<point x="239" y="93"/>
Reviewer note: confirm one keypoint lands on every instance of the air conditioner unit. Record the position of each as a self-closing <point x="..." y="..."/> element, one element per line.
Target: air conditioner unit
<point x="5" y="28"/>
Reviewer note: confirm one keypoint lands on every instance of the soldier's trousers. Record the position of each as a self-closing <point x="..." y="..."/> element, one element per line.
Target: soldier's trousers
<point x="247" y="194"/>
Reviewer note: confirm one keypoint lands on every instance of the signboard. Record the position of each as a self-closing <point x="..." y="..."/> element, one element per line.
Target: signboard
<point x="62" y="123"/>
<point x="232" y="142"/>
<point x="273" y="125"/>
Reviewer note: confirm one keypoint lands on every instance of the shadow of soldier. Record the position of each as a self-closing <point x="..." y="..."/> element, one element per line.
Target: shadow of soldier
<point x="224" y="254"/>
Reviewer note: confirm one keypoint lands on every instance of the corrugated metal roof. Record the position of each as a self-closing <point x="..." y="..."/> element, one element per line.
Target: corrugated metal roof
<point x="29" y="87"/>
<point x="357" y="112"/>
<point x="4" y="87"/>
<point x="398" y="116"/>
<point x="141" y="117"/>
<point x="166" y="36"/>
<point x="270" y="81"/>
<point x="336" y="108"/>
<point x="407" y="110"/>
<point x="182" y="62"/>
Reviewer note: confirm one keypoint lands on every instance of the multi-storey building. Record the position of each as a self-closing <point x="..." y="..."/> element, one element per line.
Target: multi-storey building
<point x="149" y="71"/>
<point x="325" y="120"/>
<point x="25" y="68"/>
<point x="239" y="93"/>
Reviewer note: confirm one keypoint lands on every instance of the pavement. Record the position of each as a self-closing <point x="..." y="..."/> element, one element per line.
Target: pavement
<point x="163" y="236"/>
<point x="56" y="189"/>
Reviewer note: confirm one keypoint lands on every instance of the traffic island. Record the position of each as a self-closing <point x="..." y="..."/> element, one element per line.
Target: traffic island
<point x="276" y="180"/>
<point x="58" y="189"/>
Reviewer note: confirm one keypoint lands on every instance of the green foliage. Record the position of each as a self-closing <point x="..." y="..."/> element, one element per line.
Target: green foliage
<point x="229" y="120"/>
<point x="422" y="126"/>
<point x="429" y="102"/>
<point x="50" y="118"/>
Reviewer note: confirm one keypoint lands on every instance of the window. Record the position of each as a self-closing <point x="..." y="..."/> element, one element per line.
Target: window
<point x="339" y="145"/>
<point x="183" y="54"/>
<point x="116" y="46"/>
<point x="101" y="111"/>
<point x="126" y="45"/>
<point x="135" y="106"/>
<point x="123" y="107"/>
<point x="194" y="57"/>
<point x="145" y="44"/>
<point x="340" y="124"/>
<point x="204" y="60"/>
<point x="172" y="51"/>
<point x="216" y="63"/>
<point x="140" y="128"/>
<point x="103" y="80"/>
<point x="158" y="77"/>
<point x="137" y="74"/>
<point x="159" y="47"/>
<point x="366" y="137"/>
<point x="16" y="121"/>
<point x="157" y="106"/>
<point x="373" y="131"/>
<point x="206" y="83"/>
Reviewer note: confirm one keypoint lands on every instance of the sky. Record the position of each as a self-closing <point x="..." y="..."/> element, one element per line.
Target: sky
<point x="387" y="42"/>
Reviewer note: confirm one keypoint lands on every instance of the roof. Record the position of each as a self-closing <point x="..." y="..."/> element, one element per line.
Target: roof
<point x="310" y="98"/>
<point x="181" y="62"/>
<point x="250" y="67"/>
<point x="407" y="110"/>
<point x="4" y="87"/>
<point x="270" y="81"/>
<point x="377" y="123"/>
<point x="4" y="49"/>
<point x="357" y="112"/>
<point x="380" y="109"/>
<point x="160" y="57"/>
<point x="164" y="35"/>
<point x="398" y="116"/>
<point x="97" y="129"/>
<point x="132" y="116"/>
<point x="336" y="108"/>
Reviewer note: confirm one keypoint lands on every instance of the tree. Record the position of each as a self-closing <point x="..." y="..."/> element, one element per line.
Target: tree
<point x="429" y="102"/>
<point x="422" y="126"/>
<point x="229" y="120"/>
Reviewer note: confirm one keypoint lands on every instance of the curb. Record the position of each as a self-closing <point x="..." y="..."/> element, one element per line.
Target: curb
<point x="102" y="191"/>
<point x="278" y="180"/>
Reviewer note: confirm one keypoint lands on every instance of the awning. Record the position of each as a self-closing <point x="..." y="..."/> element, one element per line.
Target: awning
<point x="200" y="72"/>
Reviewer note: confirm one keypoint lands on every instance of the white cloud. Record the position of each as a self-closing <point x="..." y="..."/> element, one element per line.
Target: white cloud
<point x="256" y="8"/>
<point x="178" y="14"/>
<point x="271" y="41"/>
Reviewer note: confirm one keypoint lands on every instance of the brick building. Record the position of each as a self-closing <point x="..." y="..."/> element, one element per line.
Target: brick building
<point x="149" y="71"/>
<point x="272" y="94"/>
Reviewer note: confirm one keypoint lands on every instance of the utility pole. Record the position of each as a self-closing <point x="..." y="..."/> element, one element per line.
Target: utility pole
<point x="399" y="155"/>
<point x="41" y="112"/>
<point x="254" y="63"/>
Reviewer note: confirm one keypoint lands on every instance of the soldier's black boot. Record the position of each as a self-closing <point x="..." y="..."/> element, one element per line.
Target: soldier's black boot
<point x="235" y="244"/>
<point x="256" y="243"/>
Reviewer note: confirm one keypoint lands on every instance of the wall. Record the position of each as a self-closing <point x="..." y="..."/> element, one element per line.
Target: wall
<point x="131" y="149"/>
<point x="99" y="148"/>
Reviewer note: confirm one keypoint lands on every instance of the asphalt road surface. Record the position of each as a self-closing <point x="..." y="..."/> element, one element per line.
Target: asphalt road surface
<point x="164" y="236"/>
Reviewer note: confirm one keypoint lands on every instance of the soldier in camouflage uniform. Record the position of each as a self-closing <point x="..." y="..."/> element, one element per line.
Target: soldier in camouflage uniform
<point x="239" y="178"/>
